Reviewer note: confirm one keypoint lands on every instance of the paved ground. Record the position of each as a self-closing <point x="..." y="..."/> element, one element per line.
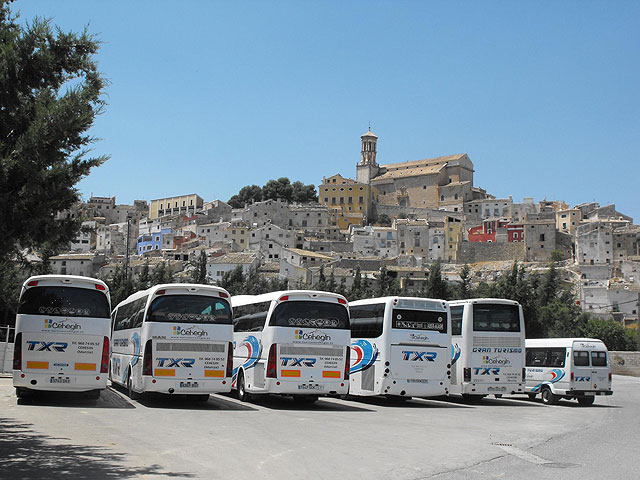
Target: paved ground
<point x="67" y="437"/>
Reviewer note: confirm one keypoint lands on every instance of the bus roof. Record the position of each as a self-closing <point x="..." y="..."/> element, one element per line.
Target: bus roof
<point x="237" y="300"/>
<point x="191" y="287"/>
<point x="422" y="301"/>
<point x="469" y="301"/>
<point x="559" y="342"/>
<point x="77" y="280"/>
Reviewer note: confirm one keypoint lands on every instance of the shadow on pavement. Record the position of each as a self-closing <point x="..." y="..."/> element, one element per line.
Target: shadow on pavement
<point x="563" y="402"/>
<point x="108" y="399"/>
<point x="25" y="454"/>
<point x="186" y="402"/>
<point x="279" y="402"/>
<point x="415" y="402"/>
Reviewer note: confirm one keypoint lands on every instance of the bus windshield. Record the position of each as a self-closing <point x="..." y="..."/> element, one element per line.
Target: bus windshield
<point x="419" y="320"/>
<point x="310" y="314"/>
<point x="189" y="309"/>
<point x="64" y="302"/>
<point x="496" y="317"/>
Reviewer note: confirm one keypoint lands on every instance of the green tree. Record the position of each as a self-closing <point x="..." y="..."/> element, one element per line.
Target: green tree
<point x="464" y="290"/>
<point x="385" y="283"/>
<point x="50" y="93"/>
<point x="342" y="287"/>
<point x="332" y="285"/>
<point x="233" y="281"/>
<point x="436" y="286"/>
<point x="384" y="220"/>
<point x="248" y="194"/>
<point x="278" y="189"/>
<point x="199" y="273"/>
<point x="356" y="287"/>
<point x="322" y="280"/>
<point x="144" y="279"/>
<point x="614" y="335"/>
<point x="303" y="193"/>
<point x="120" y="285"/>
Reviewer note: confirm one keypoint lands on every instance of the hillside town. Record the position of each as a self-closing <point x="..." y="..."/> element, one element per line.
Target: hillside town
<point x="402" y="217"/>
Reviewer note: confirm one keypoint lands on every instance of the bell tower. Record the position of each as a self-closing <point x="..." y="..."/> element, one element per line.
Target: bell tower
<point x="368" y="168"/>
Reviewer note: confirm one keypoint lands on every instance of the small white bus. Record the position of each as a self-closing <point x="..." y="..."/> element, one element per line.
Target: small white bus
<point x="173" y="338"/>
<point x="571" y="368"/>
<point x="62" y="335"/>
<point x="292" y="342"/>
<point x="487" y="347"/>
<point x="400" y="347"/>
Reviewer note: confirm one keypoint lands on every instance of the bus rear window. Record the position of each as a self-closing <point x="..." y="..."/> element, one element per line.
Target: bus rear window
<point x="580" y="359"/>
<point x="189" y="309"/>
<point x="310" y="314"/>
<point x="598" y="359"/>
<point x="496" y="317"/>
<point x="64" y="302"/>
<point x="419" y="320"/>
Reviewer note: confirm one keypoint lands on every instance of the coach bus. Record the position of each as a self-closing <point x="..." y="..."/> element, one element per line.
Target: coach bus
<point x="292" y="342"/>
<point x="571" y="368"/>
<point x="62" y="335"/>
<point x="487" y="347"/>
<point x="400" y="347"/>
<point x="173" y="338"/>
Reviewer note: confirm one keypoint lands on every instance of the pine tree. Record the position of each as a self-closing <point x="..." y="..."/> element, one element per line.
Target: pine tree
<point x="199" y="273"/>
<point x="144" y="279"/>
<point x="465" y="284"/>
<point x="332" y="286"/>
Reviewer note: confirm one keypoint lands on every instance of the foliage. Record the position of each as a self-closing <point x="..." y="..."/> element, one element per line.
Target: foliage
<point x="199" y="273"/>
<point x="614" y="335"/>
<point x="557" y="256"/>
<point x="50" y="93"/>
<point x="436" y="286"/>
<point x="384" y="220"/>
<point x="464" y="289"/>
<point x="237" y="283"/>
<point x="282" y="188"/>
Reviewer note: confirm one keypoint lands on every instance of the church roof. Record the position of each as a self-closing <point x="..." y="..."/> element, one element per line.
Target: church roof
<point x="369" y="133"/>
<point x="428" y="166"/>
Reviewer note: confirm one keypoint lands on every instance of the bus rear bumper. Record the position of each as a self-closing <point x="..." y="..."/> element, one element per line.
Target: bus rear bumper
<point x="421" y="389"/>
<point x="188" y="386"/>
<point x="279" y="386"/>
<point x="491" y="389"/>
<point x="59" y="383"/>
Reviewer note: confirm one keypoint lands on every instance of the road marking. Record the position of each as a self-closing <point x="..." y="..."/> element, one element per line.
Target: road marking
<point x="515" y="451"/>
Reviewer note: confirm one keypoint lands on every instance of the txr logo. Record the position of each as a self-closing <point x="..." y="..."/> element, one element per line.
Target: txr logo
<point x="47" y="346"/>
<point x="583" y="379"/>
<point x="486" y="371"/>
<point x="419" y="356"/>
<point x="176" y="362"/>
<point x="297" y="362"/>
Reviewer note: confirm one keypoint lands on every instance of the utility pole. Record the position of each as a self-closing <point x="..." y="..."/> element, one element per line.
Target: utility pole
<point x="126" y="256"/>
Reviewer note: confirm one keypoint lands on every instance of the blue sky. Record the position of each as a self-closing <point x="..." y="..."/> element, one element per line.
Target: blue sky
<point x="206" y="97"/>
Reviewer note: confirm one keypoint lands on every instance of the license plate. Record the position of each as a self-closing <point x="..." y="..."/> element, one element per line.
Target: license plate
<point x="189" y="385"/>
<point x="417" y="380"/>
<point x="497" y="389"/>
<point x="312" y="386"/>
<point x="60" y="380"/>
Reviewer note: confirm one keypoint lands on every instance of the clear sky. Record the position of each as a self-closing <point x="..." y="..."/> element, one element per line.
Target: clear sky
<point x="206" y="97"/>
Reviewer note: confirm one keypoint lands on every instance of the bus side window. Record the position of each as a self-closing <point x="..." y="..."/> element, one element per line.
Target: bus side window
<point x="367" y="320"/>
<point x="113" y="319"/>
<point x="555" y="357"/>
<point x="122" y="317"/>
<point x="580" y="359"/>
<point x="456" y="320"/>
<point x="536" y="357"/>
<point x="139" y="316"/>
<point x="250" y="318"/>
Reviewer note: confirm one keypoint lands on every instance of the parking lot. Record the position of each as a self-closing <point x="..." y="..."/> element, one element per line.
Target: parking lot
<point x="158" y="437"/>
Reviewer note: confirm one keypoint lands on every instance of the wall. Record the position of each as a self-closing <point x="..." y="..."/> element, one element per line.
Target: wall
<point x="489" y="252"/>
<point x="625" y="363"/>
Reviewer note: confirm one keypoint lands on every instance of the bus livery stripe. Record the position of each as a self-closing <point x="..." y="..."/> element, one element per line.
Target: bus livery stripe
<point x="331" y="373"/>
<point x="214" y="373"/>
<point x="164" y="372"/>
<point x="42" y="365"/>
<point x="85" y="366"/>
<point x="290" y="373"/>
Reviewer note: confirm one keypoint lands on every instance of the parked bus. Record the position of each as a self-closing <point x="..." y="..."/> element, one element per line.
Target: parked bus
<point x="487" y="347"/>
<point x="400" y="347"/>
<point x="291" y="343"/>
<point x="571" y="368"/>
<point x="62" y="335"/>
<point x="173" y="338"/>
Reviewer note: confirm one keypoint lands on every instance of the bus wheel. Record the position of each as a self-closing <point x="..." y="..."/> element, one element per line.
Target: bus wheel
<point x="472" y="398"/>
<point x="498" y="395"/>
<point x="201" y="398"/>
<point x="548" y="398"/>
<point x="22" y="392"/>
<point x="531" y="396"/>
<point x="586" y="401"/>
<point x="133" y="395"/>
<point x="243" y="395"/>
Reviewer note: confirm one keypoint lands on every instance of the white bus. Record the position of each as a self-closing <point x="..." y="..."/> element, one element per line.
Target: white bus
<point x="400" y="347"/>
<point x="567" y="368"/>
<point x="292" y="342"/>
<point x="173" y="338"/>
<point x="487" y="347"/>
<point x="62" y="335"/>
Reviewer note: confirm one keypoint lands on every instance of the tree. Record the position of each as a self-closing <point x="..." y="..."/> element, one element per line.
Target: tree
<point x="144" y="279"/>
<point x="50" y="93"/>
<point x="278" y="189"/>
<point x="120" y="285"/>
<point x="465" y="282"/>
<point x="199" y="273"/>
<point x="332" y="285"/>
<point x="385" y="282"/>
<point x="356" y="286"/>
<point x="436" y="286"/>
<point x="322" y="280"/>
<point x="303" y="193"/>
<point x="384" y="220"/>
<point x="614" y="335"/>
<point x="247" y="194"/>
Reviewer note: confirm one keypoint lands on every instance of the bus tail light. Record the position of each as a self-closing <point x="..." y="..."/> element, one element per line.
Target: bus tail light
<point x="272" y="368"/>
<point x="342" y="301"/>
<point x="229" y="372"/>
<point x="17" y="352"/>
<point x="223" y="295"/>
<point x="100" y="287"/>
<point x="32" y="283"/>
<point x="467" y="374"/>
<point x="284" y="298"/>
<point x="161" y="292"/>
<point x="610" y="377"/>
<point x="347" y="363"/>
<point x="147" y="359"/>
<point x="104" y="365"/>
<point x="572" y="376"/>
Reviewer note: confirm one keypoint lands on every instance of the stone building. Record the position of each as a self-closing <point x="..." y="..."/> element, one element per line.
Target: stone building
<point x="347" y="200"/>
<point x="539" y="236"/>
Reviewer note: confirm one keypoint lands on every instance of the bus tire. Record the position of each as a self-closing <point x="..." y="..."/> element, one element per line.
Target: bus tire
<point x="498" y="395"/>
<point x="586" y="401"/>
<point x="201" y="398"/>
<point x="472" y="398"/>
<point x="243" y="395"/>
<point x="22" y="392"/>
<point x="133" y="395"/>
<point x="531" y="396"/>
<point x="548" y="397"/>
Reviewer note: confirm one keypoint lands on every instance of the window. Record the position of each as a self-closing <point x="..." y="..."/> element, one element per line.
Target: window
<point x="367" y="320"/>
<point x="442" y="198"/>
<point x="581" y="359"/>
<point x="310" y="314"/>
<point x="542" y="237"/>
<point x="64" y="301"/>
<point x="496" y="317"/>
<point x="598" y="359"/>
<point x="419" y="320"/>
<point x="456" y="320"/>
<point x="250" y="318"/>
<point x="190" y="308"/>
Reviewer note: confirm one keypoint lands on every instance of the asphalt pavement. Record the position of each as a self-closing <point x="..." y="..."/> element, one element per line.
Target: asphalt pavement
<point x="67" y="436"/>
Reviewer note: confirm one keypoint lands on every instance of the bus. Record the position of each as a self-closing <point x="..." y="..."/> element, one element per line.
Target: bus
<point x="62" y="335"/>
<point x="400" y="347"/>
<point x="487" y="353"/>
<point x="571" y="368"/>
<point x="293" y="342"/>
<point x="173" y="338"/>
